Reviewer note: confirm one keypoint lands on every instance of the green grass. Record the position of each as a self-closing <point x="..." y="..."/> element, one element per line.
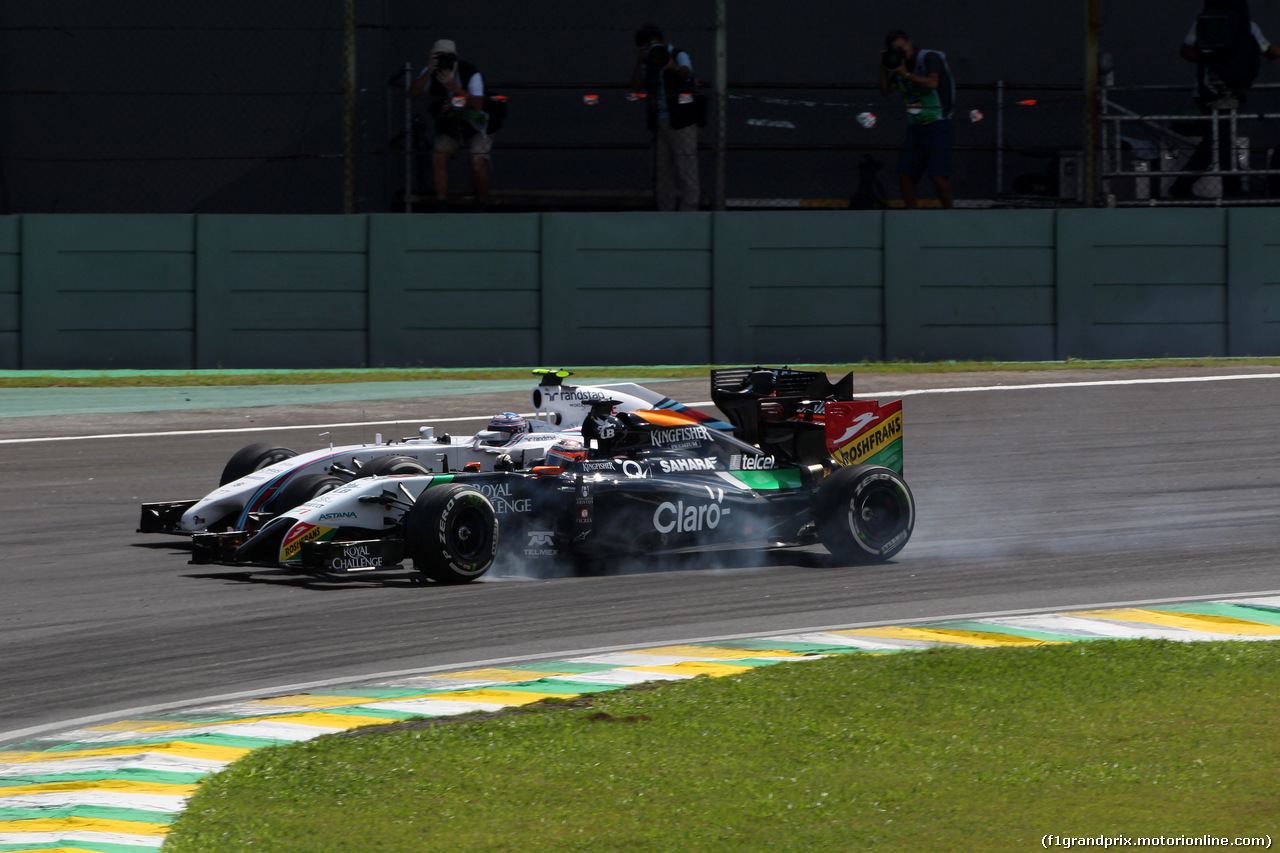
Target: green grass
<point x="949" y="750"/>
<point x="154" y="378"/>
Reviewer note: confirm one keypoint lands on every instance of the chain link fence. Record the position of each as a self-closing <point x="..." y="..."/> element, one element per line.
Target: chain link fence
<point x="300" y="108"/>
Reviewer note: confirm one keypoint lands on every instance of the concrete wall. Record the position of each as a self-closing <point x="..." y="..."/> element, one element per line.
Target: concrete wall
<point x="385" y="290"/>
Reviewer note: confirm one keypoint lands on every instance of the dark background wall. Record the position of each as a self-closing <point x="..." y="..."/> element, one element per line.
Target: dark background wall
<point x="143" y="106"/>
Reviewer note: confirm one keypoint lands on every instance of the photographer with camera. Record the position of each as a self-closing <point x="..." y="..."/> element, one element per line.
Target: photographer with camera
<point x="924" y="78"/>
<point x="1226" y="45"/>
<point x="455" y="92"/>
<point x="664" y="74"/>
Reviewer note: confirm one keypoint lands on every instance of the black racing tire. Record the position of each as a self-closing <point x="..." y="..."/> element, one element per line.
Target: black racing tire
<point x="248" y="459"/>
<point x="301" y="489"/>
<point x="864" y="514"/>
<point x="383" y="466"/>
<point x="451" y="533"/>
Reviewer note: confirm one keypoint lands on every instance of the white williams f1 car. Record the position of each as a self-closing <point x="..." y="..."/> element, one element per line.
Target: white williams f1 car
<point x="263" y="480"/>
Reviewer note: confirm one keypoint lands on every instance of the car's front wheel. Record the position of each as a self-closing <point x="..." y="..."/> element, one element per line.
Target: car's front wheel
<point x="251" y="458"/>
<point x="865" y="514"/>
<point x="384" y="466"/>
<point x="451" y="533"/>
<point x="301" y="489"/>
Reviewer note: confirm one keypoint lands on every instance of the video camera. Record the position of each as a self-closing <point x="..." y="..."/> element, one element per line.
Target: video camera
<point x="657" y="56"/>
<point x="893" y="57"/>
<point x="446" y="61"/>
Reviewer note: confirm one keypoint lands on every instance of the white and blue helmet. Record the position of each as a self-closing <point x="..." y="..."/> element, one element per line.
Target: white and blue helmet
<point x="509" y="422"/>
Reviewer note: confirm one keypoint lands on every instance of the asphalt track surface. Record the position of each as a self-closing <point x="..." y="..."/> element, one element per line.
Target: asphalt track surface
<point x="1029" y="498"/>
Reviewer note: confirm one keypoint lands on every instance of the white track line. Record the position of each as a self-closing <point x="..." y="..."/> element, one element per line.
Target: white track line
<point x="1039" y="386"/>
<point x="233" y="430"/>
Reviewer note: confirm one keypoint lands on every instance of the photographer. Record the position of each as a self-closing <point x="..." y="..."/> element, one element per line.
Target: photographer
<point x="1226" y="46"/>
<point x="664" y="74"/>
<point x="455" y="91"/>
<point x="926" y="84"/>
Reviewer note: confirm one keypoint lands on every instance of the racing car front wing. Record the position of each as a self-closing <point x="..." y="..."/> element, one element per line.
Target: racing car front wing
<point x="331" y="558"/>
<point x="163" y="516"/>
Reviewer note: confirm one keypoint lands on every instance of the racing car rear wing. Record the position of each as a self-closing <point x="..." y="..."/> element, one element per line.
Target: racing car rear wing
<point x="863" y="432"/>
<point x="778" y="408"/>
<point x="780" y="382"/>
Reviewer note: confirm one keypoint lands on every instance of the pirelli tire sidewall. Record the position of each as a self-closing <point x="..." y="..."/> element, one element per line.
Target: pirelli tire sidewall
<point x="451" y="534"/>
<point x="865" y="513"/>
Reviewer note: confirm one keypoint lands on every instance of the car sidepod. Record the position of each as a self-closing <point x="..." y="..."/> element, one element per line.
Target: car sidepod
<point x="695" y="511"/>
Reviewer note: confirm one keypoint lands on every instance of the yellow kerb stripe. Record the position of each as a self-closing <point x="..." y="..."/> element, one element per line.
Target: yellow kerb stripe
<point x="141" y="726"/>
<point x="946" y="635"/>
<point x="203" y="751"/>
<point x="121" y="785"/>
<point x="84" y="824"/>
<point x="1187" y="621"/>
<point x="693" y="668"/>
<point x="328" y="721"/>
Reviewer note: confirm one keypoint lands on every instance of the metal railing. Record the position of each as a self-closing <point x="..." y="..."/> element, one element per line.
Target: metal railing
<point x="1170" y="141"/>
<point x="992" y="103"/>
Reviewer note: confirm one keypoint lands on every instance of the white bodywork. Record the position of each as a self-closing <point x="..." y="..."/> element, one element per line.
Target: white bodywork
<point x="320" y="518"/>
<point x="560" y="411"/>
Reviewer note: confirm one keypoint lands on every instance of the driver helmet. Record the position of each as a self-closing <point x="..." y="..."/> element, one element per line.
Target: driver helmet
<point x="565" y="452"/>
<point x="505" y="427"/>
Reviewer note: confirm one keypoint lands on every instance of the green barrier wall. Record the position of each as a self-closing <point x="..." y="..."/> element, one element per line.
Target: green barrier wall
<point x="287" y="291"/>
<point x="391" y="290"/>
<point x="972" y="287"/>
<point x="454" y="291"/>
<point x="101" y="291"/>
<point x="625" y="286"/>
<point x="10" y="287"/>
<point x="792" y="288"/>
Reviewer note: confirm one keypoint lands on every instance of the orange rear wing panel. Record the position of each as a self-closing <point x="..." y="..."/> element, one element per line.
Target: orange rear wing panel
<point x="863" y="432"/>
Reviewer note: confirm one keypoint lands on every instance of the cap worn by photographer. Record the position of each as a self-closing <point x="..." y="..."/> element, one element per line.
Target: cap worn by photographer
<point x="444" y="46"/>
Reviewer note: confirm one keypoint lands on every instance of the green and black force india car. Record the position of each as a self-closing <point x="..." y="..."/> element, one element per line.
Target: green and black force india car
<point x="814" y="466"/>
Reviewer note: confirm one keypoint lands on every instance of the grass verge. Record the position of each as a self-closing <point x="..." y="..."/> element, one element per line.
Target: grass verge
<point x="947" y="750"/>
<point x="185" y="378"/>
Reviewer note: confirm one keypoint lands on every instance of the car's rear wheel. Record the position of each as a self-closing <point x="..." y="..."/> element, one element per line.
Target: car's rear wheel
<point x="865" y="514"/>
<point x="248" y="459"/>
<point x="385" y="466"/>
<point x="301" y="489"/>
<point x="451" y="533"/>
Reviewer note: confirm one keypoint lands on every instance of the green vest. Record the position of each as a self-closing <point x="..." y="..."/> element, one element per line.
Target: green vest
<point x="925" y="105"/>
